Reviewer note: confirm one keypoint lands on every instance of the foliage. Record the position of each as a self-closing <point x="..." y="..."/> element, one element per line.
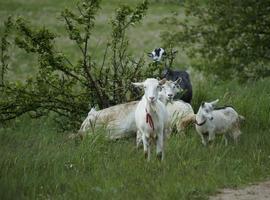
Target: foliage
<point x="64" y="87"/>
<point x="228" y="38"/>
<point x="4" y="50"/>
<point x="169" y="1"/>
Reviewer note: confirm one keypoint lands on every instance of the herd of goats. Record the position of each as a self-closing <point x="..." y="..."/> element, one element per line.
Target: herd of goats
<point x="165" y="106"/>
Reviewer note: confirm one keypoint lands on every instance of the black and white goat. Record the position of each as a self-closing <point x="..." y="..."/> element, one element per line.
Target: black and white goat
<point x="185" y="84"/>
<point x="174" y="75"/>
<point x="157" y="54"/>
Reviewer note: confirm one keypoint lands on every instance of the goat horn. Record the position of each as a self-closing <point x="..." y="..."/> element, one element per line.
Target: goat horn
<point x="179" y="80"/>
<point x="162" y="81"/>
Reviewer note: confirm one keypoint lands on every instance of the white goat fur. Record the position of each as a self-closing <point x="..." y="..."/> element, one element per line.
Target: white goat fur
<point x="210" y="122"/>
<point x="119" y="120"/>
<point x="180" y="113"/>
<point x="151" y="106"/>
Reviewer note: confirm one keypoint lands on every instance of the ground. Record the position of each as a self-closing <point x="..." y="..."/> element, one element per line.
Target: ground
<point x="260" y="191"/>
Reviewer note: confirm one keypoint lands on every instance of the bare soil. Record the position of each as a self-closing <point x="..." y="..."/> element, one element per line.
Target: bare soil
<point x="260" y="191"/>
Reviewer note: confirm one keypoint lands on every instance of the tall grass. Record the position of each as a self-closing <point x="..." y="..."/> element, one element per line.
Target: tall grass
<point x="36" y="162"/>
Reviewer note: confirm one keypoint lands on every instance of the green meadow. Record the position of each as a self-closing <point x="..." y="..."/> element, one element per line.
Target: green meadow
<point x="39" y="162"/>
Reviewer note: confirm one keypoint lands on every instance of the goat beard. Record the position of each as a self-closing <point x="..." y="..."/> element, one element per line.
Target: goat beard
<point x="170" y="100"/>
<point x="153" y="107"/>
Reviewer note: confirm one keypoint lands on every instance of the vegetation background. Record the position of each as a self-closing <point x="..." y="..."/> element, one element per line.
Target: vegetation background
<point x="37" y="162"/>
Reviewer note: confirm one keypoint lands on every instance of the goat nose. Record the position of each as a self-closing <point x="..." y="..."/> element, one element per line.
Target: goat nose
<point x="170" y="95"/>
<point x="151" y="98"/>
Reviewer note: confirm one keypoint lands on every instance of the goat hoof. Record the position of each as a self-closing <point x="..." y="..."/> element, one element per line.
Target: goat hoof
<point x="145" y="155"/>
<point x="210" y="142"/>
<point x="204" y="144"/>
<point x="159" y="156"/>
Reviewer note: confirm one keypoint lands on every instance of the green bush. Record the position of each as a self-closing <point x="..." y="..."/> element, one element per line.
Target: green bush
<point x="63" y="86"/>
<point x="227" y="38"/>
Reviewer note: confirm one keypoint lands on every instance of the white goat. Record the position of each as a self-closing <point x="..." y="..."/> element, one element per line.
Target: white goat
<point x="180" y="113"/>
<point x="211" y="121"/>
<point x="151" y="117"/>
<point x="169" y="90"/>
<point x="118" y="121"/>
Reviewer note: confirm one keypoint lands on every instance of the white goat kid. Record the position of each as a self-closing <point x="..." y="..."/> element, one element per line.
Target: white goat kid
<point x="210" y="122"/>
<point x="151" y="117"/>
<point x="169" y="90"/>
<point x="180" y="113"/>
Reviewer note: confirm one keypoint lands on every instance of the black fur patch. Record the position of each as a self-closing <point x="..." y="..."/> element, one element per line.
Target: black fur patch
<point x="157" y="52"/>
<point x="205" y="134"/>
<point x="223" y="107"/>
<point x="185" y="84"/>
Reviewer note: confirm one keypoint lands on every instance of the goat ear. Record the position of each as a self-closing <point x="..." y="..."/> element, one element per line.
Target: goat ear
<point x="164" y="72"/>
<point x="202" y="104"/>
<point x="161" y="82"/>
<point x="174" y="52"/>
<point x="178" y="81"/>
<point x="213" y="103"/>
<point x="149" y="55"/>
<point x="93" y="109"/>
<point x="138" y="84"/>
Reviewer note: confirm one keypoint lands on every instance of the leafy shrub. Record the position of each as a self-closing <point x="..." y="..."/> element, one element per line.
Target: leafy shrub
<point x="66" y="88"/>
<point x="227" y="38"/>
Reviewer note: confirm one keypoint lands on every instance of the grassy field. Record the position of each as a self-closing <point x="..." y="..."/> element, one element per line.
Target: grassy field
<point x="37" y="162"/>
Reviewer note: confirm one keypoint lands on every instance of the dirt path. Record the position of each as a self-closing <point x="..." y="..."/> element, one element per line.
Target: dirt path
<point x="260" y="191"/>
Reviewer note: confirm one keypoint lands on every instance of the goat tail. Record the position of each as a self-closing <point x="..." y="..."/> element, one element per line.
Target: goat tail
<point x="241" y="118"/>
<point x="186" y="121"/>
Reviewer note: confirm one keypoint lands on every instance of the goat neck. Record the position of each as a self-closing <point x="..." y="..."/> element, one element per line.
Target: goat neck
<point x="150" y="112"/>
<point x="200" y="119"/>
